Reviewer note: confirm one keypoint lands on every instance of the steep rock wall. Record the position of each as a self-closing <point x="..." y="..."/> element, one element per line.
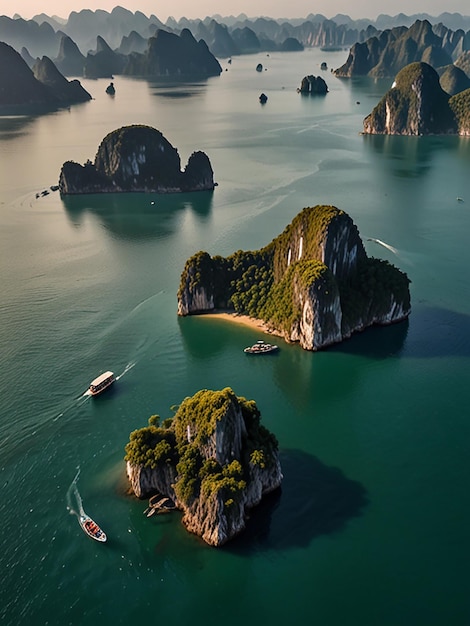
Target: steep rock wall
<point x="320" y="321"/>
<point x="222" y="463"/>
<point x="313" y="284"/>
<point x="137" y="158"/>
<point x="415" y="105"/>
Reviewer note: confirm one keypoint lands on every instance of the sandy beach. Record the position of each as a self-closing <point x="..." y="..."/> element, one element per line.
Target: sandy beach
<point x="239" y="319"/>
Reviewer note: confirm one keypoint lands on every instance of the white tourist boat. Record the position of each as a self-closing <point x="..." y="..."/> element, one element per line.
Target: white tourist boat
<point x="91" y="528"/>
<point x="101" y="382"/>
<point x="261" y="347"/>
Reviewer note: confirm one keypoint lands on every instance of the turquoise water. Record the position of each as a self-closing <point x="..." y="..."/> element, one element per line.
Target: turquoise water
<point x="370" y="527"/>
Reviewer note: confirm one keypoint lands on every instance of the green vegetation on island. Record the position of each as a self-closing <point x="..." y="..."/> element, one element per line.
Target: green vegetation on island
<point x="318" y="256"/>
<point x="199" y="442"/>
<point x="460" y="105"/>
<point x="415" y="105"/>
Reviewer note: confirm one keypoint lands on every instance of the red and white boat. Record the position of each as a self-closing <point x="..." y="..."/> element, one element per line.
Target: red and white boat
<point x="91" y="528"/>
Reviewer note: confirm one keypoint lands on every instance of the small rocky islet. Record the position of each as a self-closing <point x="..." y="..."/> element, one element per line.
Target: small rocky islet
<point x="213" y="460"/>
<point x="137" y="158"/>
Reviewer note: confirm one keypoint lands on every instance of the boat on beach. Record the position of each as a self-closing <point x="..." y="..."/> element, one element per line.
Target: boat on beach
<point x="91" y="528"/>
<point x="101" y="382"/>
<point x="261" y="347"/>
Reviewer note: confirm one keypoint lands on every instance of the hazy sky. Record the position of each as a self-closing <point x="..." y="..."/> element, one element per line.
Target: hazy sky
<point x="201" y="8"/>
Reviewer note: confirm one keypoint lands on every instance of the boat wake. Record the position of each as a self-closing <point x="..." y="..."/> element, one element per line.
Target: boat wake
<point x="74" y="499"/>
<point x="75" y="507"/>
<point x="128" y="367"/>
<point x="385" y="245"/>
<point x="87" y="394"/>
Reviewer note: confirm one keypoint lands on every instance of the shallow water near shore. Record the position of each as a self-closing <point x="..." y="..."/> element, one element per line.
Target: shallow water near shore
<point x="370" y="526"/>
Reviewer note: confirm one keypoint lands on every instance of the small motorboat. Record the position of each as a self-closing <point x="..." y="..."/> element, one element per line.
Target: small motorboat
<point x="91" y="528"/>
<point x="101" y="382"/>
<point x="261" y="347"/>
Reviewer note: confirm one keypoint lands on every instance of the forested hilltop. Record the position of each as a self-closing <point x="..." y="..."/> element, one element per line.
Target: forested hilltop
<point x="418" y="105"/>
<point x="214" y="459"/>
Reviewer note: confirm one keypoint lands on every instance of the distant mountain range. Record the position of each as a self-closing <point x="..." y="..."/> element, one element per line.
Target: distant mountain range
<point x="126" y="32"/>
<point x="385" y="55"/>
<point x="97" y="44"/>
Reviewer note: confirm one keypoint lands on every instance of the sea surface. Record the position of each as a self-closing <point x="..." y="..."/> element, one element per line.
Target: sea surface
<point x="371" y="527"/>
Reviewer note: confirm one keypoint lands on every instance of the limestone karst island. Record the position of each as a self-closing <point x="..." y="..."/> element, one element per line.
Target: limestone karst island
<point x="214" y="460"/>
<point x="314" y="284"/>
<point x="137" y="158"/>
<point x="418" y="105"/>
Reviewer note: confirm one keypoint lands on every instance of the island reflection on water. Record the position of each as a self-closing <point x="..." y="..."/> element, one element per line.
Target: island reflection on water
<point x="138" y="216"/>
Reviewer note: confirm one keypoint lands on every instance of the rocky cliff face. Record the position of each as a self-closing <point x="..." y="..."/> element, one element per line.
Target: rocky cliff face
<point x="103" y="62"/>
<point x="70" y="61"/>
<point x="415" y="105"/>
<point x="384" y="55"/>
<point x="171" y="55"/>
<point x="219" y="464"/>
<point x="320" y="322"/>
<point x="65" y="91"/>
<point x="313" y="85"/>
<point x="196" y="292"/>
<point x="137" y="158"/>
<point x="44" y="85"/>
<point x="314" y="284"/>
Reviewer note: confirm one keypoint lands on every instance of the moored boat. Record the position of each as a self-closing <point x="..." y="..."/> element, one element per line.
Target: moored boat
<point x="91" y="528"/>
<point x="261" y="347"/>
<point x="101" y="382"/>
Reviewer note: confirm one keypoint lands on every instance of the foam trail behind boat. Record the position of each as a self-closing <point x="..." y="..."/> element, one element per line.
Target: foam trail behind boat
<point x="73" y="494"/>
<point x="78" y="401"/>
<point x="128" y="367"/>
<point x="385" y="245"/>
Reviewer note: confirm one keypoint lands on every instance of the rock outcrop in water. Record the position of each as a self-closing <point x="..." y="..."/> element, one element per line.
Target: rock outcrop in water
<point x="415" y="105"/>
<point x="103" y="62"/>
<point x="214" y="459"/>
<point x="41" y="86"/>
<point x="313" y="85"/>
<point x="137" y="158"/>
<point x="314" y="284"/>
<point x="64" y="90"/>
<point x="172" y="56"/>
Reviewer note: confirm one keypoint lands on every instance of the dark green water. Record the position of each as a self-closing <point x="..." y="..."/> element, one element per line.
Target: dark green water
<point x="371" y="527"/>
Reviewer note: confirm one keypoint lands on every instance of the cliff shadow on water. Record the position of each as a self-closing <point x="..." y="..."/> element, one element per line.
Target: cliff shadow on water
<point x="314" y="500"/>
<point x="376" y="342"/>
<point x="430" y="332"/>
<point x="138" y="216"/>
<point x="438" y="333"/>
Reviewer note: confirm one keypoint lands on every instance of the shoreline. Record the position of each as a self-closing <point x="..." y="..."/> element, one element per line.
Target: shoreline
<point x="238" y="318"/>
